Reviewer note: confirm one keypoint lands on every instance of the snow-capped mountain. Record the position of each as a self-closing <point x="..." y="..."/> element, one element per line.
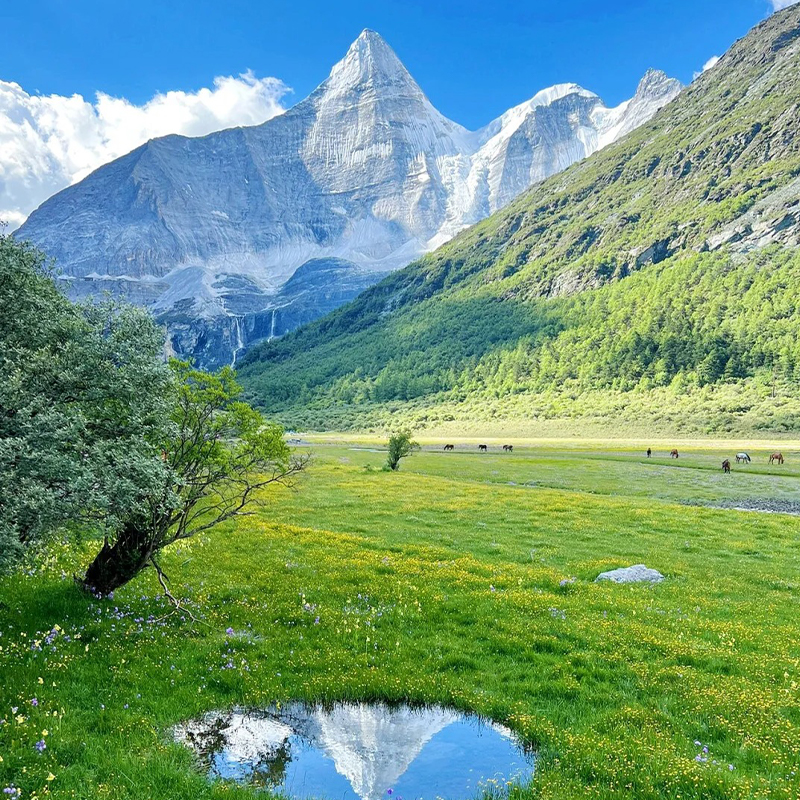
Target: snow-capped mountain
<point x="246" y="233"/>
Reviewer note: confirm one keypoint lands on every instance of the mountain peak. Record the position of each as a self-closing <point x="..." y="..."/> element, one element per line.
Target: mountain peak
<point x="656" y="83"/>
<point x="369" y="35"/>
<point x="369" y="61"/>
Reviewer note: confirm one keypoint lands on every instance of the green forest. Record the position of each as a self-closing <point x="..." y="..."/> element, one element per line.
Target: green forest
<point x="682" y="324"/>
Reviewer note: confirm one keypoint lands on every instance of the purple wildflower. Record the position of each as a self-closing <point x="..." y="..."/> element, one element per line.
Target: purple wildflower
<point x="34" y="702"/>
<point x="41" y="745"/>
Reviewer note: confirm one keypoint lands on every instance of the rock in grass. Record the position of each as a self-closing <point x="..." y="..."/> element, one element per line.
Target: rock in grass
<point x="638" y="573"/>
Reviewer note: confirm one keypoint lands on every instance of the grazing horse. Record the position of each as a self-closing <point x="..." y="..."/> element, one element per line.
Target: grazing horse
<point x="726" y="465"/>
<point x="742" y="457"/>
<point x="673" y="454"/>
<point x="776" y="457"/>
<point x="508" y="447"/>
<point x="449" y="447"/>
<point x="482" y="448"/>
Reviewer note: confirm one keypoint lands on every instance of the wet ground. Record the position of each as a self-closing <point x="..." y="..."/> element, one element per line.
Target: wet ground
<point x="765" y="506"/>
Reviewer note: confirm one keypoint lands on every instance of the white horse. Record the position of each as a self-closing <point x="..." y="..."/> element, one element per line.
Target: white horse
<point x="742" y="457"/>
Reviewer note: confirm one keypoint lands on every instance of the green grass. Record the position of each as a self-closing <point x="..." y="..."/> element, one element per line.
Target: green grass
<point x="694" y="478"/>
<point x="458" y="568"/>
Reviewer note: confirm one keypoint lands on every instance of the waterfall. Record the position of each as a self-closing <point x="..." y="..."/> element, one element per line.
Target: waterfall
<point x="272" y="326"/>
<point x="237" y="332"/>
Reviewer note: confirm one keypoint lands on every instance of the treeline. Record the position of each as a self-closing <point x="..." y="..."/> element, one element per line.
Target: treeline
<point x="704" y="319"/>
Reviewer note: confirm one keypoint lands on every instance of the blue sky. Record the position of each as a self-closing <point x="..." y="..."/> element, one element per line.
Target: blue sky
<point x="473" y="59"/>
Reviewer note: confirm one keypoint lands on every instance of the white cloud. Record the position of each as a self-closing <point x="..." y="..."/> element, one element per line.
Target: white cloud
<point x="779" y="5"/>
<point x="49" y="142"/>
<point x="707" y="66"/>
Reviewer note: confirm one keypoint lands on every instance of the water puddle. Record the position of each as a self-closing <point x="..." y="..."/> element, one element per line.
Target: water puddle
<point x="352" y="751"/>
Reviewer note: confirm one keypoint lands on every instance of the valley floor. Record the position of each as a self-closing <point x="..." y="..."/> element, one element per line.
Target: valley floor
<point x="465" y="579"/>
<point x="736" y="410"/>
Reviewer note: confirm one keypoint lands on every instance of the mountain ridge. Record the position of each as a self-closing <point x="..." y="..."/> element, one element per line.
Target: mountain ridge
<point x="364" y="170"/>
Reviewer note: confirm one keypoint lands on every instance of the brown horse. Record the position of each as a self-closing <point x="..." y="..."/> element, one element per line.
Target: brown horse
<point x="482" y="448"/>
<point x="508" y="448"/>
<point x="776" y="457"/>
<point x="673" y="454"/>
<point x="449" y="447"/>
<point x="726" y="465"/>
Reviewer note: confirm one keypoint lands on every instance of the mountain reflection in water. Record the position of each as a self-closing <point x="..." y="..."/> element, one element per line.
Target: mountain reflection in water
<point x="357" y="750"/>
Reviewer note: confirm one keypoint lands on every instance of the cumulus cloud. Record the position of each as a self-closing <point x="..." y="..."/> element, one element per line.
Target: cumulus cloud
<point x="49" y="142"/>
<point x="779" y="5"/>
<point x="707" y="66"/>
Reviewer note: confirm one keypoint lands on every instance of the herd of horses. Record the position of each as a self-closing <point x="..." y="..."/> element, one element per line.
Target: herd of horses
<point x="741" y="458"/>
<point x="483" y="448"/>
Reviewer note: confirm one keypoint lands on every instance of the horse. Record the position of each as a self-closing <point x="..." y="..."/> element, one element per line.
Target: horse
<point x="726" y="465"/>
<point x="742" y="457"/>
<point x="508" y="447"/>
<point x="482" y="448"/>
<point x="449" y="447"/>
<point x="776" y="457"/>
<point x="673" y="454"/>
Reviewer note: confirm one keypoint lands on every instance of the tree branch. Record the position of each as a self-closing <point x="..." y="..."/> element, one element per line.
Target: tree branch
<point x="179" y="607"/>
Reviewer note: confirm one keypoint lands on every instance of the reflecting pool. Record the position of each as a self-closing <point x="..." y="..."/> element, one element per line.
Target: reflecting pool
<point x="348" y="751"/>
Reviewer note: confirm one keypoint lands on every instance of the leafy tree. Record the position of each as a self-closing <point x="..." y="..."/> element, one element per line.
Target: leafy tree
<point x="400" y="445"/>
<point x="97" y="431"/>
<point x="218" y="457"/>
<point x="83" y="404"/>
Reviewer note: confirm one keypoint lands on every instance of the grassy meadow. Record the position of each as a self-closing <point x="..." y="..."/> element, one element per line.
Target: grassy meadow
<point x="465" y="579"/>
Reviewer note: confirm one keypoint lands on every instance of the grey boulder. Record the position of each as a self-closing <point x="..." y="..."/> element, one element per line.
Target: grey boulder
<point x="638" y="573"/>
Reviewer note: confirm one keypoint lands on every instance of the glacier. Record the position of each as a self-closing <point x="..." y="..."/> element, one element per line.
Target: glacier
<point x="247" y="233"/>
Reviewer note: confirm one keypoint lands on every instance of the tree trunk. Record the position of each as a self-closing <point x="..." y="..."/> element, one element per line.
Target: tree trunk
<point x="118" y="563"/>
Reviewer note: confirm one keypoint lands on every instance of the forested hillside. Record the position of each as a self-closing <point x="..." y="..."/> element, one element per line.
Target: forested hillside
<point x="663" y="266"/>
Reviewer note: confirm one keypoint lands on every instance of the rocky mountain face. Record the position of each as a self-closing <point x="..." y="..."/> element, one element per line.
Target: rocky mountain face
<point x="245" y="234"/>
